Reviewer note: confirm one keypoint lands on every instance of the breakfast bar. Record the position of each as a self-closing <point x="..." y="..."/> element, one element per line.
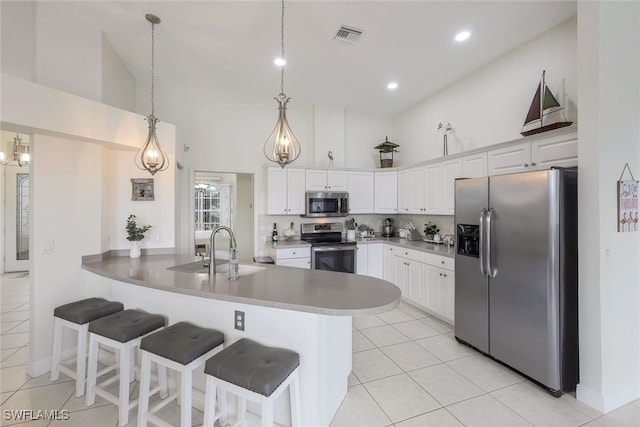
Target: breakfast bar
<point x="307" y="311"/>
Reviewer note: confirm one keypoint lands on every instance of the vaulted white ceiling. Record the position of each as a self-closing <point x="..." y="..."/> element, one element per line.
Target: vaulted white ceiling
<point x="233" y="44"/>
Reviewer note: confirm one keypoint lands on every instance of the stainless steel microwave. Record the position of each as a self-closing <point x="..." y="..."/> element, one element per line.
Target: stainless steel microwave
<point x="326" y="203"/>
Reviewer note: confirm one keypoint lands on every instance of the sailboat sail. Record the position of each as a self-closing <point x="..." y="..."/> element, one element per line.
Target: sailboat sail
<point x="543" y="100"/>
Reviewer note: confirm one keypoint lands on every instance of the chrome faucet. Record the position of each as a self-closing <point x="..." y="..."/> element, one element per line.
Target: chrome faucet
<point x="212" y="247"/>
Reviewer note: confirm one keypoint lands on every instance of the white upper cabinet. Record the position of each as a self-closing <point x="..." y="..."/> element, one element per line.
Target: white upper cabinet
<point x="404" y="193"/>
<point x="411" y="191"/>
<point x="433" y="188"/>
<point x="559" y="151"/>
<point x="511" y="159"/>
<point x="326" y="180"/>
<point x="451" y="169"/>
<point x="285" y="191"/>
<point x="360" y="185"/>
<point x="386" y="192"/>
<point x="474" y="165"/>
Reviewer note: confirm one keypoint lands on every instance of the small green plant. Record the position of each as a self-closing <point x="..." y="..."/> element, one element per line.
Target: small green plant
<point x="363" y="227"/>
<point x="135" y="233"/>
<point x="430" y="228"/>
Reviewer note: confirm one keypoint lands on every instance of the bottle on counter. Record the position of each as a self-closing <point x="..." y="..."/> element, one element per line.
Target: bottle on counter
<point x="274" y="233"/>
<point x="233" y="265"/>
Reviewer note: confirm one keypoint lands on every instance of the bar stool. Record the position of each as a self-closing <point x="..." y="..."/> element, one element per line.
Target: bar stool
<point x="123" y="332"/>
<point x="182" y="347"/>
<point x="256" y="372"/>
<point x="76" y="316"/>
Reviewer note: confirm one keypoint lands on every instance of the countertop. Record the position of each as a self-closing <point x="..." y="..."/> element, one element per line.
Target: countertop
<point x="312" y="291"/>
<point x="419" y="245"/>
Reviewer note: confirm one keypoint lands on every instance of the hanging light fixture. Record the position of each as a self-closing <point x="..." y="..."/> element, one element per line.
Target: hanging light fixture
<point x="151" y="157"/>
<point x="282" y="146"/>
<point x="19" y="154"/>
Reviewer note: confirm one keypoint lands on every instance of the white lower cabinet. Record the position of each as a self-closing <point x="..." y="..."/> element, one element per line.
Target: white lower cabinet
<point x="439" y="292"/>
<point x="292" y="257"/>
<point x="375" y="257"/>
<point x="362" y="264"/>
<point x="387" y="260"/>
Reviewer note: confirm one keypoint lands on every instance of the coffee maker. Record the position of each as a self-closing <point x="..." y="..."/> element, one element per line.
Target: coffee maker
<point x="387" y="229"/>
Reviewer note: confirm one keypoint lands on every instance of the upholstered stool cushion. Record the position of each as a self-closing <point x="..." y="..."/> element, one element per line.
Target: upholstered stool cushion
<point x="86" y="310"/>
<point x="126" y="325"/>
<point x="253" y="366"/>
<point x="182" y="342"/>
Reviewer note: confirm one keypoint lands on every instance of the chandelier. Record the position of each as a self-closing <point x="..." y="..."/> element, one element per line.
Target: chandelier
<point x="19" y="153"/>
<point x="151" y="157"/>
<point x="282" y="146"/>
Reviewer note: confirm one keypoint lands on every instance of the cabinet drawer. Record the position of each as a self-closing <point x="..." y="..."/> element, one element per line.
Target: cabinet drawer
<point x="409" y="254"/>
<point x="439" y="261"/>
<point x="293" y="253"/>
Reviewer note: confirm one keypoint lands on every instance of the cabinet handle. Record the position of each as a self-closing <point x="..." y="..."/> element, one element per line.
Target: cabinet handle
<point x="533" y="163"/>
<point x="294" y="253"/>
<point x="526" y="165"/>
<point x="445" y="275"/>
<point x="442" y="262"/>
<point x="440" y="274"/>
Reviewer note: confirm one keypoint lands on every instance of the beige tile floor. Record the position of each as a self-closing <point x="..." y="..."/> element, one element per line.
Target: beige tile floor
<point x="408" y="371"/>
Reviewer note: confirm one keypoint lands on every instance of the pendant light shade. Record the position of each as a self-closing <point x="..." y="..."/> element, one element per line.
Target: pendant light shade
<point x="282" y="146"/>
<point x="19" y="154"/>
<point x="151" y="156"/>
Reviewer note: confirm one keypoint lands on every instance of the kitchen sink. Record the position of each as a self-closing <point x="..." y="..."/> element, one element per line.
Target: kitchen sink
<point x="222" y="267"/>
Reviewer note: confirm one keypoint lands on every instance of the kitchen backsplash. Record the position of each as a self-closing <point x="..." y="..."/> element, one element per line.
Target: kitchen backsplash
<point x="375" y="221"/>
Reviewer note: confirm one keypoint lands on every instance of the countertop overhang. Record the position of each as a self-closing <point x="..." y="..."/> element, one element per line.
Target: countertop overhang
<point x="311" y="291"/>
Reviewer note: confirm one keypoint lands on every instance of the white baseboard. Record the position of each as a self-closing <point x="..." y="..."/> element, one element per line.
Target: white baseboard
<point x="607" y="402"/>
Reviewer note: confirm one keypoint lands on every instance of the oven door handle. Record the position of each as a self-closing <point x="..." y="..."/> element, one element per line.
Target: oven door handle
<point x="334" y="248"/>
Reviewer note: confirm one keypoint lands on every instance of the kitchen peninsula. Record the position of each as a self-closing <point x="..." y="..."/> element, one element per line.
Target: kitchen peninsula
<point x="308" y="311"/>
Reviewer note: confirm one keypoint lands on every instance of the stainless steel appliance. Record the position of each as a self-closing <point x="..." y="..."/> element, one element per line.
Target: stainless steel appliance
<point x="516" y="282"/>
<point x="387" y="228"/>
<point x="319" y="204"/>
<point x="329" y="251"/>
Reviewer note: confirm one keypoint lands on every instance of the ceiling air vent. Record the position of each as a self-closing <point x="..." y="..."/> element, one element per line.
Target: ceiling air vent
<point x="348" y="34"/>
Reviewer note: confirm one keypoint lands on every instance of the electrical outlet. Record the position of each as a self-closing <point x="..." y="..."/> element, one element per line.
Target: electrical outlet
<point x="238" y="320"/>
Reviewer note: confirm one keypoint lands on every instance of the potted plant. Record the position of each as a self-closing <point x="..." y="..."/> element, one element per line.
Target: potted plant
<point x="364" y="230"/>
<point x="134" y="235"/>
<point x="430" y="230"/>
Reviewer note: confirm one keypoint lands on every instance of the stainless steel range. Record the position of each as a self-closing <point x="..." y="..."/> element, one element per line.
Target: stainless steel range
<point x="329" y="251"/>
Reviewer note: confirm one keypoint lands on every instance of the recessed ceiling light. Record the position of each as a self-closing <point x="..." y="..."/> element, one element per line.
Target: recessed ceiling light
<point x="392" y="86"/>
<point x="280" y="62"/>
<point x="462" y="36"/>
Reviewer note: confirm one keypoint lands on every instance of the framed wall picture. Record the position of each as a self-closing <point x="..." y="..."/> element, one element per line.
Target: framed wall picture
<point x="627" y="203"/>
<point x="142" y="189"/>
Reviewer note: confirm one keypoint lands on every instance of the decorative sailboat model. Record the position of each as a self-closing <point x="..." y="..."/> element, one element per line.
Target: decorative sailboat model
<point x="544" y="104"/>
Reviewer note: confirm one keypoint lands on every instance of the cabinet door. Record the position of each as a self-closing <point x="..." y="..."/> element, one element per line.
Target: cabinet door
<point x="449" y="295"/>
<point x="414" y="284"/>
<point x="561" y="152"/>
<point x="512" y="159"/>
<point x="360" y="188"/>
<point x="276" y="191"/>
<point x="316" y="180"/>
<point x="337" y="180"/>
<point x="475" y="165"/>
<point x="451" y="169"/>
<point x="416" y="191"/>
<point x="386" y="192"/>
<point x="375" y="260"/>
<point x="387" y="269"/>
<point x="362" y="259"/>
<point x="432" y="194"/>
<point x="434" y="300"/>
<point x="404" y="189"/>
<point x="399" y="274"/>
<point x="295" y="191"/>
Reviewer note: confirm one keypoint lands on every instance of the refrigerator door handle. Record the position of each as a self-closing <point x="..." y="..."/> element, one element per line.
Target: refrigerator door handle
<point x="481" y="252"/>
<point x="490" y="271"/>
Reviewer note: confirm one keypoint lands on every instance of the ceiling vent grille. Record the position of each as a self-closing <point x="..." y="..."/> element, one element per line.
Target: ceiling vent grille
<point x="348" y="34"/>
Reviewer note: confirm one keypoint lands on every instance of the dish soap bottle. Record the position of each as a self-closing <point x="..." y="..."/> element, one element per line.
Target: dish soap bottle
<point x="274" y="233"/>
<point x="233" y="265"/>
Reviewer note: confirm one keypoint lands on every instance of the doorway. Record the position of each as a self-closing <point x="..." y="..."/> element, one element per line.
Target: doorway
<point x="221" y="198"/>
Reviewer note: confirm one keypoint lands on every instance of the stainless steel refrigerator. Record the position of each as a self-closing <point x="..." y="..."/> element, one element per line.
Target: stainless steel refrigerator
<point x="516" y="282"/>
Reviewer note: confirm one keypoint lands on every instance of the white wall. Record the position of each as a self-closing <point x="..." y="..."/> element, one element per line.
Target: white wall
<point x="609" y="135"/>
<point x="118" y="84"/>
<point x="489" y="105"/>
<point x="17" y="37"/>
<point x="68" y="52"/>
<point x="328" y="135"/>
<point x="363" y="131"/>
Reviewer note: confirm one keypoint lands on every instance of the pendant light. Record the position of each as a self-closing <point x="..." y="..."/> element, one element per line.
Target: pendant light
<point x="282" y="146"/>
<point x="19" y="154"/>
<point x="151" y="156"/>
